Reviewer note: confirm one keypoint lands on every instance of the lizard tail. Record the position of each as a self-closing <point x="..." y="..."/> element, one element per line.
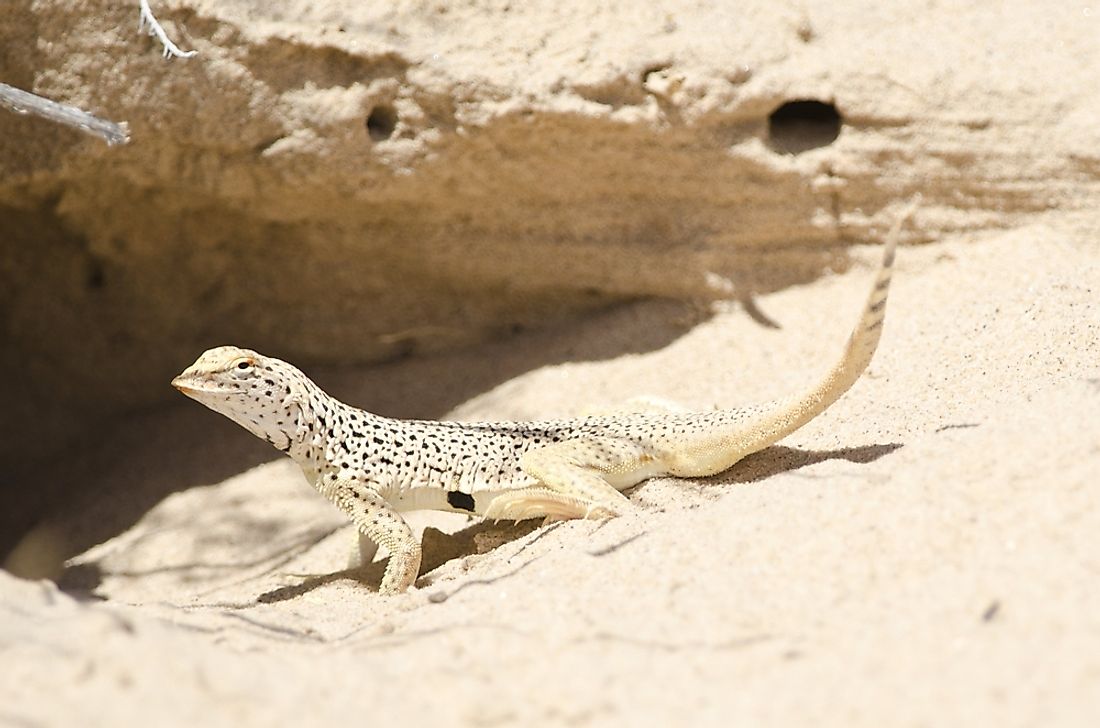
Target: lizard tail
<point x="790" y="413"/>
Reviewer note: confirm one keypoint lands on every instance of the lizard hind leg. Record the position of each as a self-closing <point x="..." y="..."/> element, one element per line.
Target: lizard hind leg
<point x="579" y="470"/>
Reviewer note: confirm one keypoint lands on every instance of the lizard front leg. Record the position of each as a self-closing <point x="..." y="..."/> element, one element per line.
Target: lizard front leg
<point x="379" y="522"/>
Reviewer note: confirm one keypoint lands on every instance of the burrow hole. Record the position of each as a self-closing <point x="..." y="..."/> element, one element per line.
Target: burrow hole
<point x="381" y="122"/>
<point x="798" y="126"/>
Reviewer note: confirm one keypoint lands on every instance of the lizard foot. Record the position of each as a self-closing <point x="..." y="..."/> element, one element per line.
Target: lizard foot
<point x="535" y="502"/>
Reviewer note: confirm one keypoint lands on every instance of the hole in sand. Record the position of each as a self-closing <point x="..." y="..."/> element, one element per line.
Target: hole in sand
<point x="381" y="122"/>
<point x="797" y="126"/>
<point x="96" y="277"/>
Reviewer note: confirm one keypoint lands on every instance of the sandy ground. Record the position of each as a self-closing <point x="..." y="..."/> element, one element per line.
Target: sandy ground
<point x="925" y="553"/>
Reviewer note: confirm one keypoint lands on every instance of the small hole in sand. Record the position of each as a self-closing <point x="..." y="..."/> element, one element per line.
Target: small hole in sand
<point x="96" y="277"/>
<point x="381" y="122"/>
<point x="797" y="126"/>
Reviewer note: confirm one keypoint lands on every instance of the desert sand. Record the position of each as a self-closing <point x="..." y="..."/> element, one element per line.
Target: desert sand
<point x="927" y="552"/>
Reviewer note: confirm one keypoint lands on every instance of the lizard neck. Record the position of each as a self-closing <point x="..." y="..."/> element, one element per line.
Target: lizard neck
<point x="327" y="432"/>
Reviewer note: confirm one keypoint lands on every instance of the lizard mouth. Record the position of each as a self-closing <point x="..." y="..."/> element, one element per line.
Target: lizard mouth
<point x="190" y="385"/>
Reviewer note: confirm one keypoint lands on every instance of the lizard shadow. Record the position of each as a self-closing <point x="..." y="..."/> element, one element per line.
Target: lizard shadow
<point x="782" y="459"/>
<point x="438" y="548"/>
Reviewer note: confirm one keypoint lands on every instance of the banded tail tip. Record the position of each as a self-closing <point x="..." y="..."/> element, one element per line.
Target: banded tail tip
<point x="895" y="229"/>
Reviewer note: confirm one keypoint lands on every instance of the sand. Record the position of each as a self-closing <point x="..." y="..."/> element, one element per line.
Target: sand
<point x="924" y="553"/>
<point x="927" y="552"/>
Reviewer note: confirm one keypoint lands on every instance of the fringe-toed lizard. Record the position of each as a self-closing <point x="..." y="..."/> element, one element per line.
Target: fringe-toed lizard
<point x="374" y="468"/>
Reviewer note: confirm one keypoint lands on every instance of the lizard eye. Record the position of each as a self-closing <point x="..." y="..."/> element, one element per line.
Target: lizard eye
<point x="242" y="367"/>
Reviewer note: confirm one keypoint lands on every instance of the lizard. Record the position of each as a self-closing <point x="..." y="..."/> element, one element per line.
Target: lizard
<point x="375" y="468"/>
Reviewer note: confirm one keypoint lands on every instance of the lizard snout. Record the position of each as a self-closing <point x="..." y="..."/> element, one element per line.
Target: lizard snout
<point x="187" y="382"/>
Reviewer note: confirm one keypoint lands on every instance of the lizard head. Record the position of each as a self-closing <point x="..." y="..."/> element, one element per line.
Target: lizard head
<point x="259" y="393"/>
